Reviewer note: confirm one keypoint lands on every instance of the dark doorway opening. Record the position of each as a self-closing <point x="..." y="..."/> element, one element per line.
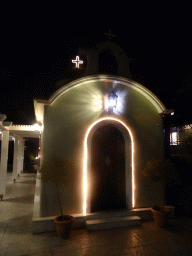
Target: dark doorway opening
<point x="108" y="190"/>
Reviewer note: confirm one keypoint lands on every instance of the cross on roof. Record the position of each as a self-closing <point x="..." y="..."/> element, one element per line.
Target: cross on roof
<point x="109" y="35"/>
<point x="77" y="62"/>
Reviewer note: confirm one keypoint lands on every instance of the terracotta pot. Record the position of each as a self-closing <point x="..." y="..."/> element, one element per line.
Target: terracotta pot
<point x="160" y="216"/>
<point x="63" y="225"/>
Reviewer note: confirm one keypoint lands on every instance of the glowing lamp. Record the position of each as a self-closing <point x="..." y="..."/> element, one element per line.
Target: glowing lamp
<point x="112" y="101"/>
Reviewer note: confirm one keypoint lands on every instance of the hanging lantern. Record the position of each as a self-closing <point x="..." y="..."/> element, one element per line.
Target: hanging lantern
<point x="110" y="101"/>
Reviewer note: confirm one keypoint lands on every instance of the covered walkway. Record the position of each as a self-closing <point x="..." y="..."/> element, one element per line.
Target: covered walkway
<point x="16" y="236"/>
<point x="18" y="134"/>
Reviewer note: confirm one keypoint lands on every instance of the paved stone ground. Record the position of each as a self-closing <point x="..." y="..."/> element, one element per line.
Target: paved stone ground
<point x="17" y="239"/>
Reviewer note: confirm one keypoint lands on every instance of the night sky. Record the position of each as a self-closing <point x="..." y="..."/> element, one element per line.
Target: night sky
<point x="35" y="53"/>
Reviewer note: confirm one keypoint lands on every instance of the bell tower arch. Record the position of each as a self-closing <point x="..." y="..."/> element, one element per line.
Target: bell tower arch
<point x="106" y="58"/>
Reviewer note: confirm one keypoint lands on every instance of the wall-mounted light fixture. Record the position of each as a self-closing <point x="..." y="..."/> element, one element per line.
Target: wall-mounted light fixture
<point x="110" y="101"/>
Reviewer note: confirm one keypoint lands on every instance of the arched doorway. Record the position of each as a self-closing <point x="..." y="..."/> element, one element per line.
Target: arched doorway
<point x="108" y="167"/>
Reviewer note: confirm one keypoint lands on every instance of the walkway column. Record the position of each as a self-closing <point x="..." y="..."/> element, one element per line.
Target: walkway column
<point x="20" y="155"/>
<point x="15" y="158"/>
<point x="3" y="163"/>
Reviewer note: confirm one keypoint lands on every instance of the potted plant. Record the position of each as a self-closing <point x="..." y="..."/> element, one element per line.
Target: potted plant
<point x="63" y="223"/>
<point x="163" y="171"/>
<point x="54" y="171"/>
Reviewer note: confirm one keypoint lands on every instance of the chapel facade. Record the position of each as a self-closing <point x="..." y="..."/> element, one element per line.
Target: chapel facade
<point x="98" y="133"/>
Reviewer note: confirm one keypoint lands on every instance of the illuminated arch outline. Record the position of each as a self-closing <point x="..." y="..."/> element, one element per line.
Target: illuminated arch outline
<point x="85" y="164"/>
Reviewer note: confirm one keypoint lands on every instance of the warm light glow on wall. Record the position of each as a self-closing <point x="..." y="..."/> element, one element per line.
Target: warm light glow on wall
<point x="96" y="103"/>
<point x="85" y="181"/>
<point x="105" y="78"/>
<point x="105" y="101"/>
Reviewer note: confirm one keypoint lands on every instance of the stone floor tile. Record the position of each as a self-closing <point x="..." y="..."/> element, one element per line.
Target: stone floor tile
<point x="57" y="241"/>
<point x="79" y="233"/>
<point x="101" y="250"/>
<point x="3" y="224"/>
<point x="2" y="229"/>
<point x="18" y="229"/>
<point x="83" y="242"/>
<point x="79" y="252"/>
<point x="149" y="239"/>
<point x="41" y="252"/>
<point x="16" y="237"/>
<point x="2" y="232"/>
<point x="38" y="241"/>
<point x="171" y="249"/>
<point x="126" y="232"/>
<point x="146" y="231"/>
<point x="3" y="251"/>
<point x="119" y="235"/>
<point x="8" y="240"/>
<point x="64" y="248"/>
<point x="17" y="250"/>
<point x="101" y="241"/>
<point x="117" y="249"/>
<point x="39" y="244"/>
<point x="143" y="250"/>
<point x="130" y="242"/>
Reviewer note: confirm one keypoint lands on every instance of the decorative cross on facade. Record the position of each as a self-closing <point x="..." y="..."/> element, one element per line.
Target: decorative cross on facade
<point x="77" y="62"/>
<point x="109" y="35"/>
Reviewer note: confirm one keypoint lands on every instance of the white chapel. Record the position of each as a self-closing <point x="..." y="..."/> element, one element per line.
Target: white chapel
<point x="97" y="132"/>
